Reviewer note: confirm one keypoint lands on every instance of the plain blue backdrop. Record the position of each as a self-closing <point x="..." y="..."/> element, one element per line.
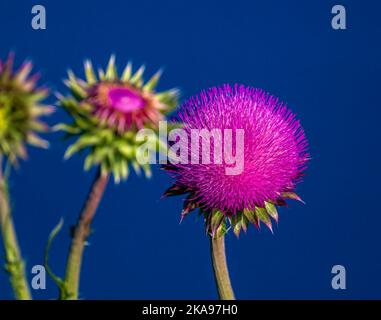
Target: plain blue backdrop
<point x="331" y="79"/>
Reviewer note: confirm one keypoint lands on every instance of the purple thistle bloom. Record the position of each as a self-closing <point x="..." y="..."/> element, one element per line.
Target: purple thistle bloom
<point x="274" y="153"/>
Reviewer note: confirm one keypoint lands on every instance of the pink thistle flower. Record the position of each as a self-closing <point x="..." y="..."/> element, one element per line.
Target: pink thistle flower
<point x="274" y="153"/>
<point x="107" y="110"/>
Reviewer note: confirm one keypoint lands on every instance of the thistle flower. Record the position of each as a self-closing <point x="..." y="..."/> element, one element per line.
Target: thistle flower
<point x="274" y="156"/>
<point x="20" y="110"/>
<point x="108" y="110"/>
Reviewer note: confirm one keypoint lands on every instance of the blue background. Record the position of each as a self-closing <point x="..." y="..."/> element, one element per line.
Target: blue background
<point x="331" y="79"/>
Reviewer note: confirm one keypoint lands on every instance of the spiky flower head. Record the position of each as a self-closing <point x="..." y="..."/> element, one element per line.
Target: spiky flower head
<point x="274" y="154"/>
<point x="107" y="110"/>
<point x="20" y="109"/>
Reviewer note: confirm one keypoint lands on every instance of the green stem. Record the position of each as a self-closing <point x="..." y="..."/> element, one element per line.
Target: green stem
<point x="81" y="231"/>
<point x="14" y="263"/>
<point x="220" y="268"/>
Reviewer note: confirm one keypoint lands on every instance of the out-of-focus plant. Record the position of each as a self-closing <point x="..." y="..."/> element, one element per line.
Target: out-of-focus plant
<point x="20" y="110"/>
<point x="107" y="110"/>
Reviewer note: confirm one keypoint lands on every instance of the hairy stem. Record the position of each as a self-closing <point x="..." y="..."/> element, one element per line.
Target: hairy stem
<point x="220" y="268"/>
<point x="14" y="263"/>
<point x="80" y="233"/>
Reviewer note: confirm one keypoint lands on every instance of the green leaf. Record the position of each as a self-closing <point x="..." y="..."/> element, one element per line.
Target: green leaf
<point x="53" y="234"/>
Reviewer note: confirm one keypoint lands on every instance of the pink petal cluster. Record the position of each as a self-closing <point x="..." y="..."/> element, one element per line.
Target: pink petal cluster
<point x="275" y="149"/>
<point x="123" y="106"/>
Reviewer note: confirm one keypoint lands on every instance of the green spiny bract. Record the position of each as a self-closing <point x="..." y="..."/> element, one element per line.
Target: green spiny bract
<point x="218" y="223"/>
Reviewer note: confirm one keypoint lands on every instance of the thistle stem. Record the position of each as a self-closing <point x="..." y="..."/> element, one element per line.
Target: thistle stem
<point x="80" y="233"/>
<point x="220" y="268"/>
<point x="14" y="263"/>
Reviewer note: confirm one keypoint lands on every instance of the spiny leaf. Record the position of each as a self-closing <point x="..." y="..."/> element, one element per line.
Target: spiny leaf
<point x="244" y="222"/>
<point x="271" y="210"/>
<point x="127" y="72"/>
<point x="291" y="195"/>
<point x="22" y="74"/>
<point x="138" y="75"/>
<point x="80" y="144"/>
<point x="35" y="140"/>
<point x="67" y="128"/>
<point x="126" y="150"/>
<point x="264" y="217"/>
<point x="89" y="162"/>
<point x="37" y="110"/>
<point x="175" y="190"/>
<point x="151" y="83"/>
<point x="251" y="216"/>
<point x="116" y="173"/>
<point x="101" y="74"/>
<point x="89" y="72"/>
<point x="235" y="222"/>
<point x="147" y="170"/>
<point x="221" y="231"/>
<point x="74" y="86"/>
<point x="38" y="126"/>
<point x="111" y="73"/>
<point x="188" y="206"/>
<point x="169" y="98"/>
<point x="135" y="165"/>
<point x="124" y="171"/>
<point x="217" y="217"/>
